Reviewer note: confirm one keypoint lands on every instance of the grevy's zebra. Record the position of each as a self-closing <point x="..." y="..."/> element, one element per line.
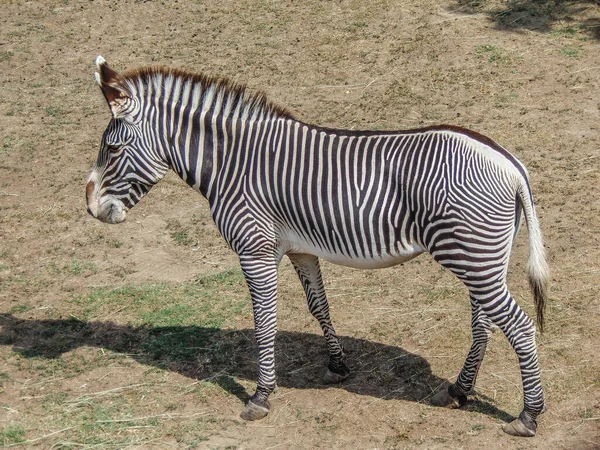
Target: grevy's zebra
<point x="366" y="199"/>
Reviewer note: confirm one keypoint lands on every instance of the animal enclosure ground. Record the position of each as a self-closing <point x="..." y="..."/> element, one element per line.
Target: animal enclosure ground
<point x="140" y="335"/>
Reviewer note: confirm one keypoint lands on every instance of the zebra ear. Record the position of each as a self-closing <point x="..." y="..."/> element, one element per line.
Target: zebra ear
<point x="112" y="86"/>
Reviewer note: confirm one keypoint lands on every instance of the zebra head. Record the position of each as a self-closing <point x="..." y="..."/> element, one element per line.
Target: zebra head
<point x="127" y="166"/>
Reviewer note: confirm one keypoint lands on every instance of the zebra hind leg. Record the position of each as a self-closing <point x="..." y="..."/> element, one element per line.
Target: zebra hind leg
<point x="455" y="395"/>
<point x="309" y="272"/>
<point x="520" y="332"/>
<point x="479" y="258"/>
<point x="501" y="308"/>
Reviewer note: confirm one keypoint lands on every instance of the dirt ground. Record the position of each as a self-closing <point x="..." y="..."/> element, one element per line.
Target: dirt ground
<point x="87" y="353"/>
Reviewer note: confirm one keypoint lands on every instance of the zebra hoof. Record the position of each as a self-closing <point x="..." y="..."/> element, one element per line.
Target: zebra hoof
<point x="336" y="374"/>
<point x="254" y="411"/>
<point x="518" y="428"/>
<point x="333" y="378"/>
<point x="445" y="399"/>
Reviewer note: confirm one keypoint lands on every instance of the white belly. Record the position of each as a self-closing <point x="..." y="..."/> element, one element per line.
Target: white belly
<point x="295" y="244"/>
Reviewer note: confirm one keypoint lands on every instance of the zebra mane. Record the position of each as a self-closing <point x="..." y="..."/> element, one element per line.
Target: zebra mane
<point x="232" y="92"/>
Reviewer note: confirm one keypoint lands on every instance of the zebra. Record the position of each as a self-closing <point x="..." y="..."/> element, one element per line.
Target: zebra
<point x="365" y="199"/>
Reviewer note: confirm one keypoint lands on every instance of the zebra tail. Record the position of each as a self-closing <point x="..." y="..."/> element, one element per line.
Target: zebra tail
<point x="537" y="268"/>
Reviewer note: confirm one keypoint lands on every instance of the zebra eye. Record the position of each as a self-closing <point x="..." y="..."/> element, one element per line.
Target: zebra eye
<point x="113" y="148"/>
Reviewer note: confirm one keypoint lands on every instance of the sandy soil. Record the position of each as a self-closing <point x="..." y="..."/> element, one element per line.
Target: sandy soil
<point x="526" y="74"/>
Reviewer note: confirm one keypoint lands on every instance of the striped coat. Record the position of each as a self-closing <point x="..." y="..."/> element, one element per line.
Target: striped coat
<point x="365" y="199"/>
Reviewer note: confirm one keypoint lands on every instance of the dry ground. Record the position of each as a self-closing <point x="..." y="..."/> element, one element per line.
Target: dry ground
<point x="139" y="335"/>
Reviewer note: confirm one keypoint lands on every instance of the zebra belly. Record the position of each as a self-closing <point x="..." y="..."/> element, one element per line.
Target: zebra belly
<point x="295" y="244"/>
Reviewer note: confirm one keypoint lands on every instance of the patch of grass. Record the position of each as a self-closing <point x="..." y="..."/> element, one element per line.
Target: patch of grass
<point x="177" y="315"/>
<point x="54" y="399"/>
<point x="13" y="434"/>
<point x="21" y="308"/>
<point x="54" y="111"/>
<point x="74" y="267"/>
<point x="357" y="25"/>
<point x="8" y="144"/>
<point x="568" y="31"/>
<point x="181" y="319"/>
<point x="105" y="299"/>
<point x="98" y="236"/>
<point x="102" y="422"/>
<point x="179" y="233"/>
<point x="181" y="237"/>
<point x="231" y="277"/>
<point x="486" y="48"/>
<point x="496" y="55"/>
<point x="441" y="292"/>
<point x="3" y="378"/>
<point x="5" y="56"/>
<point x="24" y="284"/>
<point x="78" y="267"/>
<point x="208" y="301"/>
<point x="570" y="51"/>
<point x="12" y="144"/>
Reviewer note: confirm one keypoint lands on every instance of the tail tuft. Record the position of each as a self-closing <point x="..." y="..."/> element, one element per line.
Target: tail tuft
<point x="539" y="289"/>
<point x="537" y="269"/>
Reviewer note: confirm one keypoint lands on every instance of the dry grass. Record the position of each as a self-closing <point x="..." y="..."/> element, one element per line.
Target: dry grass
<point x="140" y="335"/>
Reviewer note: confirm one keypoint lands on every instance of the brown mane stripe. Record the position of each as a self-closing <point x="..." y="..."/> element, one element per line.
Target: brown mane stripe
<point x="257" y="97"/>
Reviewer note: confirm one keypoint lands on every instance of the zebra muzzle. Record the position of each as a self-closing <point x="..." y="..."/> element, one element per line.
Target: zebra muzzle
<point x="107" y="209"/>
<point x="110" y="210"/>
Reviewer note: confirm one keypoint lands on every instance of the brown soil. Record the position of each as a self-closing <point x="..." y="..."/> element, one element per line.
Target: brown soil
<point x="527" y="74"/>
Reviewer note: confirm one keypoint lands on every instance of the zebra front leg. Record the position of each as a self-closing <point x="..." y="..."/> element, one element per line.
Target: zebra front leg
<point x="455" y="395"/>
<point x="309" y="272"/>
<point x="261" y="277"/>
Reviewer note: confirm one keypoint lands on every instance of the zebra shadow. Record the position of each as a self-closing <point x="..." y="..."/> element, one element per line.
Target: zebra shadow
<point x="222" y="356"/>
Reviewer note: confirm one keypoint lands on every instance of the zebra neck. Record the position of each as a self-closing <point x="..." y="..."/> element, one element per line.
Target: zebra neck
<point x="213" y="150"/>
<point x="194" y="142"/>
